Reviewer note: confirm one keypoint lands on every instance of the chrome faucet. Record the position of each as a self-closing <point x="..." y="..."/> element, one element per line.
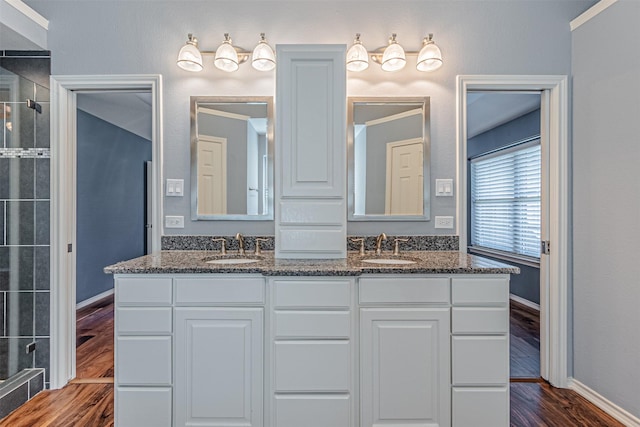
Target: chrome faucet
<point x="240" y="240"/>
<point x="379" y="240"/>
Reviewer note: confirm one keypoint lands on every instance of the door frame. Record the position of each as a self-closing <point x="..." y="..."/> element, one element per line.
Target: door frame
<point x="554" y="332"/>
<point x="63" y="202"/>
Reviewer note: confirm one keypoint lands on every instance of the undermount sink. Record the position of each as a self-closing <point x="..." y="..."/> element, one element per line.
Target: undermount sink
<point x="388" y="261"/>
<point x="232" y="261"/>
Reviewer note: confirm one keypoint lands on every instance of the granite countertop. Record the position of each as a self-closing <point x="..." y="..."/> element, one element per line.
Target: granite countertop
<point x="426" y="262"/>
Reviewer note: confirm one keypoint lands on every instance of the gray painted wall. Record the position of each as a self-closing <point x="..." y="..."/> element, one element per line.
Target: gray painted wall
<point x="606" y="204"/>
<point x="111" y="201"/>
<point x="527" y="283"/>
<point x="476" y="37"/>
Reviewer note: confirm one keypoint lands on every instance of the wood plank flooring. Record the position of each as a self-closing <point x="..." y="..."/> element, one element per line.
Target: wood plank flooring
<point x="524" y="342"/>
<point x="94" y="340"/>
<point x="91" y="405"/>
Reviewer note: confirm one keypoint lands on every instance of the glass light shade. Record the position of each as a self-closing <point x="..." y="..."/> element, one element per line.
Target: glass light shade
<point x="357" y="56"/>
<point x="430" y="57"/>
<point x="263" y="58"/>
<point x="226" y="57"/>
<point x="189" y="57"/>
<point x="393" y="58"/>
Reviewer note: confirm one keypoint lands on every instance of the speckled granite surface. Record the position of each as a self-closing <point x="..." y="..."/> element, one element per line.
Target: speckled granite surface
<point x="426" y="262"/>
<point x="415" y="243"/>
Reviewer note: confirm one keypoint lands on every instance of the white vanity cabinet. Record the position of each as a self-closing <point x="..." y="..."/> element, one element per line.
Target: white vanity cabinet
<point x="404" y="351"/>
<point x="312" y="352"/>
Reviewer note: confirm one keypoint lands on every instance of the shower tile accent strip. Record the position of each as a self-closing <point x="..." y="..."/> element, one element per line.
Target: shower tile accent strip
<point x="25" y="153"/>
<point x="414" y="243"/>
<point x="20" y="389"/>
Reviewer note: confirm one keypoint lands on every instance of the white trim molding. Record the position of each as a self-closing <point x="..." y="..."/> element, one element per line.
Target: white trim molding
<point x="625" y="417"/>
<point x="30" y="13"/>
<point x="63" y="202"/>
<point x="532" y="305"/>
<point x="554" y="295"/>
<point x="590" y="13"/>
<point x="95" y="298"/>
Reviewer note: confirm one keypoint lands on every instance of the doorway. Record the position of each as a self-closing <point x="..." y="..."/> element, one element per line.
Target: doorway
<point x="64" y="99"/>
<point x="554" y="229"/>
<point x="505" y="207"/>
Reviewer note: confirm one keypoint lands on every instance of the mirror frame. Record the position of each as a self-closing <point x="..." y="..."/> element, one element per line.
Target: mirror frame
<point x="426" y="138"/>
<point x="194" y="101"/>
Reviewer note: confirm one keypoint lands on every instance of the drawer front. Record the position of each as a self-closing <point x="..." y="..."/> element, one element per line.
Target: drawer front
<point x="312" y="366"/>
<point x="480" y="360"/>
<point x="143" y="360"/>
<point x="404" y="290"/>
<point x="480" y="407"/>
<point x="480" y="320"/>
<point x="312" y="293"/>
<point x="143" y="407"/>
<point x="313" y="411"/>
<point x="143" y="291"/>
<point x="312" y="324"/>
<point x="480" y="291"/>
<point x="151" y="320"/>
<point x="246" y="290"/>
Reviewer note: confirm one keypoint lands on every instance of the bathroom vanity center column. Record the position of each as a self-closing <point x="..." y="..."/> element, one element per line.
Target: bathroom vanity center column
<point x="311" y="219"/>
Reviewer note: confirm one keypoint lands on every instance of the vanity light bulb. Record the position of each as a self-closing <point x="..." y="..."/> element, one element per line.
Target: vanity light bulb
<point x="263" y="58"/>
<point x="189" y="57"/>
<point x="226" y="56"/>
<point x="430" y="57"/>
<point x="357" y="56"/>
<point x="393" y="58"/>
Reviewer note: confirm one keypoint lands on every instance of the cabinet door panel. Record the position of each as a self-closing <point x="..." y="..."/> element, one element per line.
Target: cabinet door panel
<point x="480" y="407"/>
<point x="143" y="360"/>
<point x="480" y="360"/>
<point x="147" y="320"/>
<point x="480" y="291"/>
<point x="313" y="411"/>
<point x="327" y="293"/>
<point x="144" y="290"/>
<point x="405" y="367"/>
<point x="143" y="407"/>
<point x="312" y="366"/>
<point x="312" y="324"/>
<point x="219" y="367"/>
<point x="480" y="320"/>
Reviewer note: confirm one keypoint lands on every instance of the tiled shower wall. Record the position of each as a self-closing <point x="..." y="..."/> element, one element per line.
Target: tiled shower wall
<point x="24" y="210"/>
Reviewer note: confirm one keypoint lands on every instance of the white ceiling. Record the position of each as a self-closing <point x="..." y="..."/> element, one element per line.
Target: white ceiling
<point x="486" y="110"/>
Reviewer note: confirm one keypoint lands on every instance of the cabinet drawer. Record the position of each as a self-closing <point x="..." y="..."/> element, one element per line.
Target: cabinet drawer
<point x="480" y="407"/>
<point x="136" y="320"/>
<point x="245" y="290"/>
<point x="143" y="291"/>
<point x="312" y="366"/>
<point x="480" y="360"/>
<point x="478" y="320"/>
<point x="143" y="360"/>
<point x="143" y="407"/>
<point x="404" y="290"/>
<point x="312" y="411"/>
<point x="312" y="324"/>
<point x="480" y="291"/>
<point x="325" y="293"/>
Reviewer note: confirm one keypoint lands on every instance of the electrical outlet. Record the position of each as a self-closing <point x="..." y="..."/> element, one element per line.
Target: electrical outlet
<point x="444" y="222"/>
<point x="174" y="221"/>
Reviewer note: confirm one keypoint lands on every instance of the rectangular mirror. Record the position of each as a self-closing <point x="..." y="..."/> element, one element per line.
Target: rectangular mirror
<point x="388" y="144"/>
<point x="231" y="158"/>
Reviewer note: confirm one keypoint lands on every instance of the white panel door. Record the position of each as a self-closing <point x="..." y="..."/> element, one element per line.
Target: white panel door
<point x="405" y="367"/>
<point x="212" y="175"/>
<point x="219" y="367"/>
<point x="405" y="174"/>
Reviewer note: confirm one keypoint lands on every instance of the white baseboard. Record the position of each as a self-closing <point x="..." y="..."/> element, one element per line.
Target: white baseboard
<point x="91" y="300"/>
<point x="526" y="302"/>
<point x="605" y="404"/>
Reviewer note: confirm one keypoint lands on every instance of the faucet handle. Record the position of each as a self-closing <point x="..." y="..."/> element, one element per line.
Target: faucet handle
<point x="396" y="249"/>
<point x="223" y="245"/>
<point x="361" y="241"/>
<point x="258" y="250"/>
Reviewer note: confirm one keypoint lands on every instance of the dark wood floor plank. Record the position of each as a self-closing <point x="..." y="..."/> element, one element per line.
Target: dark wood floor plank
<point x="94" y="337"/>
<point x="524" y="341"/>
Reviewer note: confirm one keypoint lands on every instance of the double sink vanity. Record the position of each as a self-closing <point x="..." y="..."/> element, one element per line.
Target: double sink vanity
<point x="312" y="343"/>
<point x="312" y="331"/>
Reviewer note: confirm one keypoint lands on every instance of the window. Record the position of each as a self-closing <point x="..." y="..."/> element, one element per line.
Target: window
<point x="505" y="200"/>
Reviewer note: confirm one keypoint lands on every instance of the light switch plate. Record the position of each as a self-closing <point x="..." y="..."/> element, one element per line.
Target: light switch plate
<point x="174" y="221"/>
<point x="175" y="188"/>
<point x="444" y="187"/>
<point x="444" y="222"/>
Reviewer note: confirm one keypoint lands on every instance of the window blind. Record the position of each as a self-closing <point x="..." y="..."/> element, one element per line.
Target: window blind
<point x="505" y="200"/>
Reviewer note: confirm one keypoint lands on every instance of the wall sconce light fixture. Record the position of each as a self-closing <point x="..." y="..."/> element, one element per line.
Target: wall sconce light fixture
<point x="227" y="57"/>
<point x="393" y="56"/>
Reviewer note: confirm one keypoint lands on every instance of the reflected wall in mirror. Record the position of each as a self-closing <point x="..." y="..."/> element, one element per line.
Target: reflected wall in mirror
<point x="388" y="142"/>
<point x="231" y="158"/>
